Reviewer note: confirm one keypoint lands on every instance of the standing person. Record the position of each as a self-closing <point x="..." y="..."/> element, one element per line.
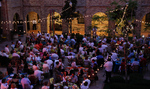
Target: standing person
<point x="10" y="69"/>
<point x="25" y="82"/>
<point x="34" y="24"/>
<point x="7" y="49"/>
<point x="4" y="84"/>
<point x="108" y="69"/>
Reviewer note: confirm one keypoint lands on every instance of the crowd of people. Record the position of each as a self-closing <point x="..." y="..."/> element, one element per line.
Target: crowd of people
<point x="68" y="60"/>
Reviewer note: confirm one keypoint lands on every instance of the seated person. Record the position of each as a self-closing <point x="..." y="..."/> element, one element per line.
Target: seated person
<point x="86" y="62"/>
<point x="4" y="85"/>
<point x="135" y="62"/>
<point x="45" y="86"/>
<point x="135" y="65"/>
<point x="73" y="64"/>
<point x="15" y="80"/>
<point x="74" y="78"/>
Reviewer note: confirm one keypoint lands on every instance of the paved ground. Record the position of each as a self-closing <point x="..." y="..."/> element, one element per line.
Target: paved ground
<point x="97" y="85"/>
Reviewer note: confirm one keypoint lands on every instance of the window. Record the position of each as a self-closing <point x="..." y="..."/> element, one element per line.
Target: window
<point x="80" y="20"/>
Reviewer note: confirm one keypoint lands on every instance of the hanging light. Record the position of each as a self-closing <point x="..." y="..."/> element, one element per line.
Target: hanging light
<point x="0" y="4"/>
<point x="70" y="4"/>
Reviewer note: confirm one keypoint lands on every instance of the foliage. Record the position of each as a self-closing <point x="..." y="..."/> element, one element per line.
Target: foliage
<point x="69" y="11"/>
<point x="99" y="18"/>
<point x="147" y="26"/>
<point x="118" y="12"/>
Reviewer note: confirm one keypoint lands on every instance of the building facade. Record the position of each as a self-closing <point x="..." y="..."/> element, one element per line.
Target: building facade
<point x="27" y="10"/>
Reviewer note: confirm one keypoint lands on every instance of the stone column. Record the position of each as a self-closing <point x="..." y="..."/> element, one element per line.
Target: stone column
<point x="65" y="26"/>
<point x="87" y="19"/>
<point x="5" y="25"/>
<point x="111" y="27"/>
<point x="44" y="21"/>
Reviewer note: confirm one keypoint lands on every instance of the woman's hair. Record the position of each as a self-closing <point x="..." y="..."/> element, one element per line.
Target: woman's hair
<point x="15" y="76"/>
<point x="3" y="80"/>
<point x="86" y="83"/>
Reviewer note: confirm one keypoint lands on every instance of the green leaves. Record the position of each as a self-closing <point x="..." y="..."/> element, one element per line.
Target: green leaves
<point x="69" y="11"/>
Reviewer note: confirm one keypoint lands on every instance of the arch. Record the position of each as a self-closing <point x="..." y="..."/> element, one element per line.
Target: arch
<point x="29" y="24"/>
<point x="15" y="19"/>
<point x="78" y="25"/>
<point x="57" y="26"/>
<point x="99" y="24"/>
<point x="145" y="25"/>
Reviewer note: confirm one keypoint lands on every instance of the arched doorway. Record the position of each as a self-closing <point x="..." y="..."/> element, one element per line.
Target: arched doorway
<point x="99" y="24"/>
<point x="54" y="23"/>
<point x="31" y="18"/>
<point x="16" y="18"/>
<point x="145" y="25"/>
<point x="78" y="25"/>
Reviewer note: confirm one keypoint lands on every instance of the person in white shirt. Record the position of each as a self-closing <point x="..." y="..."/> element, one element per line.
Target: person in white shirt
<point x="52" y="40"/>
<point x="49" y="62"/>
<point x="94" y="57"/>
<point x="19" y="41"/>
<point x="108" y="69"/>
<point x="7" y="49"/>
<point x="4" y="85"/>
<point x="47" y="37"/>
<point x="73" y="64"/>
<point x="56" y="36"/>
<point x="61" y="64"/>
<point x="12" y="45"/>
<point x="61" y="36"/>
<point x="114" y="56"/>
<point x="25" y="82"/>
<point x="84" y="39"/>
<point x="68" y="37"/>
<point x="4" y="54"/>
<point x="86" y="83"/>
<point x="34" y="66"/>
<point x="34" y="24"/>
<point x="45" y="49"/>
<point x="38" y="34"/>
<point x="15" y="54"/>
<point x="46" y="67"/>
<point x="54" y="56"/>
<point x="91" y="44"/>
<point x="38" y="73"/>
<point x="104" y="46"/>
<point x="38" y="58"/>
<point x="80" y="48"/>
<point x="135" y="62"/>
<point x="21" y="47"/>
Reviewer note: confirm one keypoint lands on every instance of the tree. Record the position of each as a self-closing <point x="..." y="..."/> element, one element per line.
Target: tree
<point x="123" y="16"/>
<point x="68" y="12"/>
<point x="124" y="19"/>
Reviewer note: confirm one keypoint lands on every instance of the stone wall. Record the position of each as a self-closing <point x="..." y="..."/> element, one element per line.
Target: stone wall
<point x="43" y="7"/>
